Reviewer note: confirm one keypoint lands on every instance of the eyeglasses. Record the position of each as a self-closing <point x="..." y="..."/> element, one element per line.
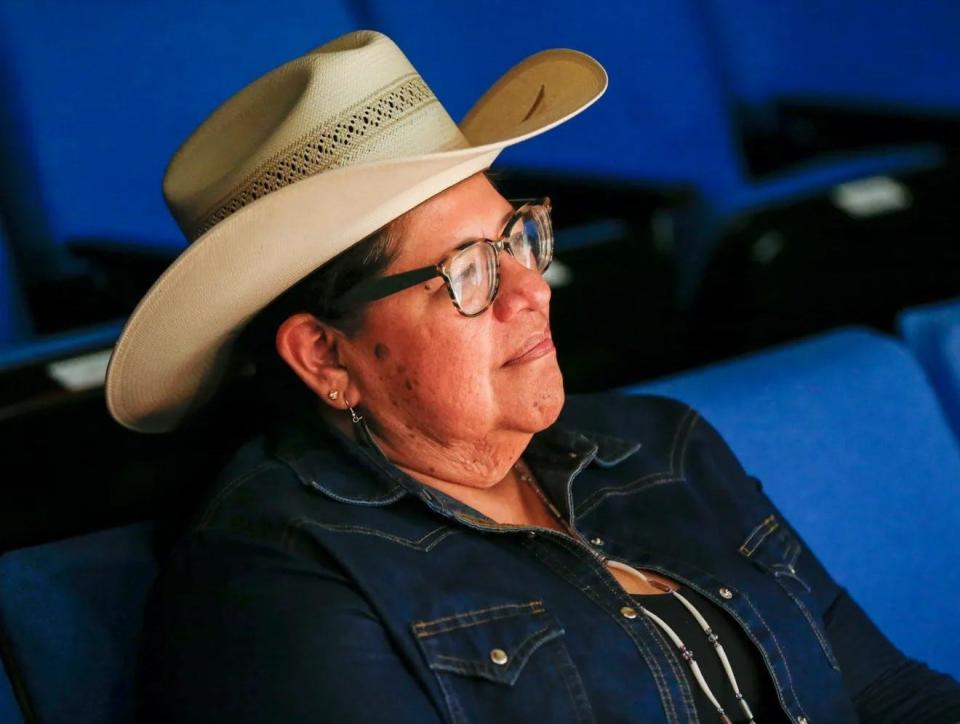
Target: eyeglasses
<point x="471" y="272"/>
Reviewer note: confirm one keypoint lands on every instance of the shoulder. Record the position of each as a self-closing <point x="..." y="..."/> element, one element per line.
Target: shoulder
<point x="253" y="498"/>
<point x="656" y="422"/>
<point x="672" y="435"/>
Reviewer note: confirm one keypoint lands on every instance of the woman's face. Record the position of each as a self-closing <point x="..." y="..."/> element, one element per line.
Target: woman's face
<point x="422" y="368"/>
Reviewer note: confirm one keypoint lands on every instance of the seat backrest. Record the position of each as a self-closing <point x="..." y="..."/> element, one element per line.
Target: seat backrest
<point x="887" y="54"/>
<point x="96" y="97"/>
<point x="9" y="711"/>
<point x="14" y="323"/>
<point x="70" y="617"/>
<point x="850" y="443"/>
<point x="664" y="116"/>
<point x="932" y="332"/>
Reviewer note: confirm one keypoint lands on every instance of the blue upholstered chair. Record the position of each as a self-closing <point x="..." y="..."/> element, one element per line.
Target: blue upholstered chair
<point x="94" y="100"/>
<point x="9" y="711"/>
<point x="70" y="615"/>
<point x="932" y="332"/>
<point x="885" y="55"/>
<point x="851" y="444"/>
<point x="14" y="320"/>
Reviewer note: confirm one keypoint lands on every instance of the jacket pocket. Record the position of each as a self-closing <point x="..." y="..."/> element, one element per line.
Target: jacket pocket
<point x="776" y="550"/>
<point x="504" y="663"/>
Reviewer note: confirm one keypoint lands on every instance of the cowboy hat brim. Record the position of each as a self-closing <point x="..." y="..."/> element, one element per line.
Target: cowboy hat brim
<point x="175" y="346"/>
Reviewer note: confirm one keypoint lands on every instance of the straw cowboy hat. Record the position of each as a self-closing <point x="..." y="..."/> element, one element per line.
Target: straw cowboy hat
<point x="292" y="170"/>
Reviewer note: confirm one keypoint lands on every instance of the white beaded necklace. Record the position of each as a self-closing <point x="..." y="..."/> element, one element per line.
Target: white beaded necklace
<point x="686" y="653"/>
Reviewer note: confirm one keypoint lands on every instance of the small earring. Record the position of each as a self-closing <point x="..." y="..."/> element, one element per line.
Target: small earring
<point x="353" y="413"/>
<point x="333" y="394"/>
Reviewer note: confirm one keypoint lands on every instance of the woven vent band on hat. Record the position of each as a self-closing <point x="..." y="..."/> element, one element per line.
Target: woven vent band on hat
<point x="342" y="140"/>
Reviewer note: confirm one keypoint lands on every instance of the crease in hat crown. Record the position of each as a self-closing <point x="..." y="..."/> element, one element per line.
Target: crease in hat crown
<point x="353" y="100"/>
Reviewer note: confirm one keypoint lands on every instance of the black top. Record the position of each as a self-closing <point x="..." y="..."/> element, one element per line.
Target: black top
<point x="751" y="673"/>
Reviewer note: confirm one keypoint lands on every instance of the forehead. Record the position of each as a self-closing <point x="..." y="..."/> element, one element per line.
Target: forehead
<point x="472" y="209"/>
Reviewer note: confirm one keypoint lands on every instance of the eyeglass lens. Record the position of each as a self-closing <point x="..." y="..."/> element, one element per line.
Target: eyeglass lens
<point x="473" y="271"/>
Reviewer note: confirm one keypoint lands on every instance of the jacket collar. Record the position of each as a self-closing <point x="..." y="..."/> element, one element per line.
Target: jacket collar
<point x="315" y="451"/>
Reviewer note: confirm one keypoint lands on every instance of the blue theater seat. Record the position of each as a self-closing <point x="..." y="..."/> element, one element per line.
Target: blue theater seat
<point x="70" y="616"/>
<point x="932" y="332"/>
<point x="14" y="322"/>
<point x="850" y="443"/>
<point x="100" y="97"/>
<point x="9" y="711"/>
<point x="885" y="55"/>
<point x="94" y="100"/>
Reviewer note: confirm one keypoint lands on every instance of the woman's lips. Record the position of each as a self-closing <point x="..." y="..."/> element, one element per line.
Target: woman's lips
<point x="541" y="348"/>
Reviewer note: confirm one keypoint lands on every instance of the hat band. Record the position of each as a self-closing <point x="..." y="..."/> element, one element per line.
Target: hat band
<point x="333" y="144"/>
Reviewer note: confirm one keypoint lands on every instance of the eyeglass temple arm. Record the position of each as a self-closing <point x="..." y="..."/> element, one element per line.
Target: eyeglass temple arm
<point x="385" y="286"/>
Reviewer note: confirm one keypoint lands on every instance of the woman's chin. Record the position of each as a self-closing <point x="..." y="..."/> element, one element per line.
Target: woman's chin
<point x="546" y="399"/>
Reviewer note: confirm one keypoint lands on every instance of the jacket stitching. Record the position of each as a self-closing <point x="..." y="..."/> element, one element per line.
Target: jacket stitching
<point x="712" y="597"/>
<point x="816" y="629"/>
<point x="418" y="544"/>
<point x="628" y="489"/>
<point x="574" y="684"/>
<point x="681" y="436"/>
<point x="670" y="653"/>
<point x="532" y="607"/>
<point x="783" y="658"/>
<point x="391" y="495"/>
<point x="763" y="529"/>
<point x="214" y="506"/>
<point x="471" y="624"/>
<point x="524" y="648"/>
<point x="656" y="671"/>
<point x="591" y="501"/>
<point x="690" y="422"/>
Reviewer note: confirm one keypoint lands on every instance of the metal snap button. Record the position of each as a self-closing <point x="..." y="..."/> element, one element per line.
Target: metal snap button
<point x="726" y="593"/>
<point x="802" y="720"/>
<point x="571" y="455"/>
<point x="628" y="612"/>
<point x="597" y="541"/>
<point x="531" y="534"/>
<point x="499" y="657"/>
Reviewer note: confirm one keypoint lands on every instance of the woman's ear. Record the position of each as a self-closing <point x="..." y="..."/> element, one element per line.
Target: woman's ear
<point x="309" y="346"/>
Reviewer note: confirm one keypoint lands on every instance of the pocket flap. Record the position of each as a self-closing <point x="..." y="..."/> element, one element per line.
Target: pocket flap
<point x="492" y="643"/>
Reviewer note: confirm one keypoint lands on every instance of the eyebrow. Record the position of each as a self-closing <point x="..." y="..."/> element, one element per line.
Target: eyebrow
<point x="503" y="222"/>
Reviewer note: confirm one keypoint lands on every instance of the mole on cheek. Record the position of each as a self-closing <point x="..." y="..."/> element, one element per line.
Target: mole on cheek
<point x="381" y="351"/>
<point x="408" y="384"/>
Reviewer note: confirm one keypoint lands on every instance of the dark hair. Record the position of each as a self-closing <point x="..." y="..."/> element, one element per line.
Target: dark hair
<point x="274" y="387"/>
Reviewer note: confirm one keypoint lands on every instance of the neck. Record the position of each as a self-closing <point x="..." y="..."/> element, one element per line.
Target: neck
<point x="480" y="475"/>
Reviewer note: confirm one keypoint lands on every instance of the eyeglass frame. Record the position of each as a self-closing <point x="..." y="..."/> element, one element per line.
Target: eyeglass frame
<point x="384" y="286"/>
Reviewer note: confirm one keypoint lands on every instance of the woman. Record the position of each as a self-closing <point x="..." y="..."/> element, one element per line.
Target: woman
<point x="434" y="533"/>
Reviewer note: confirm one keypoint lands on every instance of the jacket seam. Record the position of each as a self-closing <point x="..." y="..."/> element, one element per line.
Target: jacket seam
<point x="656" y="671"/>
<point x="416" y="544"/>
<point x="229" y="489"/>
<point x="675" y="473"/>
<point x="532" y="607"/>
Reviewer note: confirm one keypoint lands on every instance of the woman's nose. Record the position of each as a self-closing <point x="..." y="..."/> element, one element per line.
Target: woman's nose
<point x="520" y="288"/>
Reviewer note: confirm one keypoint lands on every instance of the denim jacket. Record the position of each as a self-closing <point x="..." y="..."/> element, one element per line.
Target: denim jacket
<point x="318" y="582"/>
